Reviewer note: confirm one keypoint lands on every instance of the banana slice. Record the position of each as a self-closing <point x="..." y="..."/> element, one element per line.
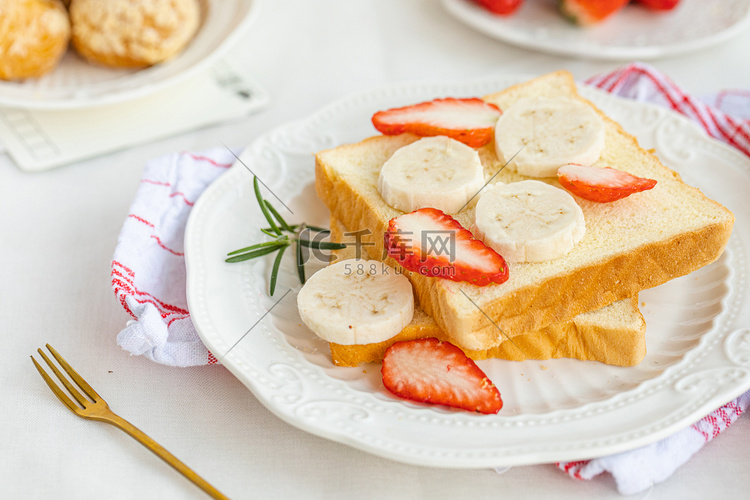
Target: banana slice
<point x="356" y="301"/>
<point x="437" y="172"/>
<point x="528" y="221"/>
<point x="546" y="133"/>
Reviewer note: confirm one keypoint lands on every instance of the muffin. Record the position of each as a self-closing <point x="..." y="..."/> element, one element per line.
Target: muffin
<point x="132" y="33"/>
<point x="34" y="35"/>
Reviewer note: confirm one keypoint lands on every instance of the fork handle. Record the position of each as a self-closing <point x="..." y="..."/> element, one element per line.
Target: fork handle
<point x="162" y="453"/>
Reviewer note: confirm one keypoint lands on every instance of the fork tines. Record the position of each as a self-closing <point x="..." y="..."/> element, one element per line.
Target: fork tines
<point x="83" y="402"/>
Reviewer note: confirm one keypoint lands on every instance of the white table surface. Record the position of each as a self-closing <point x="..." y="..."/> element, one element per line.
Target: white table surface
<point x="58" y="230"/>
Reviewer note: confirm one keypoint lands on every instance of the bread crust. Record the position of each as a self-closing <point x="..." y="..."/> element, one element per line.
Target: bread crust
<point x="586" y="289"/>
<point x="615" y="335"/>
<point x="586" y="341"/>
<point x="537" y="295"/>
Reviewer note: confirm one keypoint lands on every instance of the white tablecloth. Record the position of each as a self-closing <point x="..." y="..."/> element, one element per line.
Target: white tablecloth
<point x="58" y="230"/>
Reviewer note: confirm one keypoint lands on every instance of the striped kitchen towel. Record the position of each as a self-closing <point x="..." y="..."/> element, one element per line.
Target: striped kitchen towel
<point x="148" y="267"/>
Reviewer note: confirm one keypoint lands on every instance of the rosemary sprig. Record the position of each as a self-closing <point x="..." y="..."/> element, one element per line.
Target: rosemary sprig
<point x="283" y="234"/>
<point x="300" y="263"/>
<point x="321" y="245"/>
<point x="294" y="227"/>
<point x="264" y="206"/>
<point x="275" y="270"/>
<point x="281" y="241"/>
<point x="278" y="216"/>
<point x="254" y="253"/>
<point x="318" y="229"/>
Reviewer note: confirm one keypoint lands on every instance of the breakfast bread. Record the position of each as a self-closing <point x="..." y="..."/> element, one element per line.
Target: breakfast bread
<point x="132" y="33"/>
<point x="614" y="334"/>
<point x="34" y="36"/>
<point x="630" y="245"/>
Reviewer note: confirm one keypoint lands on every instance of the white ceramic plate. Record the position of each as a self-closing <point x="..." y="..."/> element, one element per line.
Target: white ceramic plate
<point x="632" y="33"/>
<point x="698" y="338"/>
<point x="77" y="84"/>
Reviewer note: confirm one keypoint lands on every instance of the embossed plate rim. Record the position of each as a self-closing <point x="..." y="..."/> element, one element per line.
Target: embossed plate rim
<point x="303" y="394"/>
<point x="535" y="28"/>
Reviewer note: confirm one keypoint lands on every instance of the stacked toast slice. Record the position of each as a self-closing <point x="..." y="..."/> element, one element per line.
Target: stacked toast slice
<point x="630" y="245"/>
<point x="614" y="334"/>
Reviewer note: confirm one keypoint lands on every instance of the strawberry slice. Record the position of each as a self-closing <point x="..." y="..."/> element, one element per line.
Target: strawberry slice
<point x="430" y="371"/>
<point x="432" y="243"/>
<point x="502" y="7"/>
<point x="589" y="12"/>
<point x="471" y="121"/>
<point x="659" y="4"/>
<point x="601" y="184"/>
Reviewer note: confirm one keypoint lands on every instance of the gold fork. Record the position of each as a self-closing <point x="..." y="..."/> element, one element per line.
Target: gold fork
<point x="95" y="408"/>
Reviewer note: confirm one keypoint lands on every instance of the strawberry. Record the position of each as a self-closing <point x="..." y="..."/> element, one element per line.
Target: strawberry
<point x="659" y="4"/>
<point x="432" y="243"/>
<point x="471" y="121"/>
<point x="601" y="184"/>
<point x="430" y="371"/>
<point x="589" y="12"/>
<point x="502" y="7"/>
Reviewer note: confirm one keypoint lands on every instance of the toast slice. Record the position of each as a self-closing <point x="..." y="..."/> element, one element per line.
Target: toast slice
<point x="630" y="245"/>
<point x="615" y="334"/>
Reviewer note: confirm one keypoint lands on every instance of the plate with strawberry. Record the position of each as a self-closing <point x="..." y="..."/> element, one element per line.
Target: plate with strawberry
<point x="606" y="29"/>
<point x="427" y="404"/>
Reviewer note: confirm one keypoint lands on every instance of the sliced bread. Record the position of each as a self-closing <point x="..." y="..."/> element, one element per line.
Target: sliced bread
<point x="630" y="245"/>
<point x="615" y="334"/>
